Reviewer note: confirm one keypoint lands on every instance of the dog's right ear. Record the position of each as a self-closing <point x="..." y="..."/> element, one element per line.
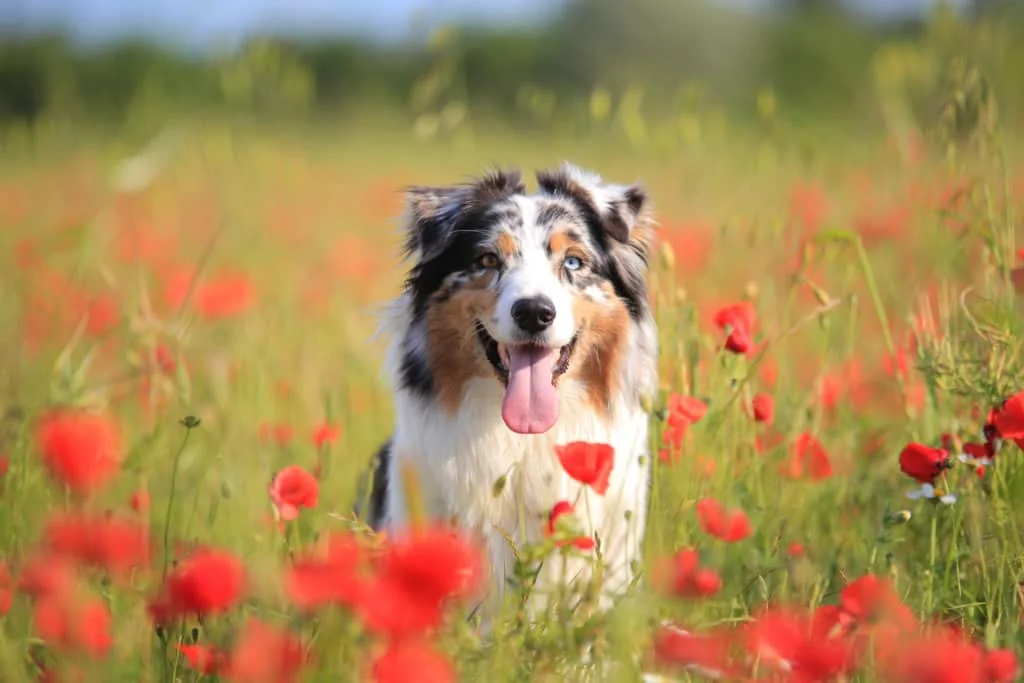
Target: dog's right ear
<point x="434" y="212"/>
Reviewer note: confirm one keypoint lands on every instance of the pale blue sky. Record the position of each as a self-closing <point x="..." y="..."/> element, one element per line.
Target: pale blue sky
<point x="198" y="22"/>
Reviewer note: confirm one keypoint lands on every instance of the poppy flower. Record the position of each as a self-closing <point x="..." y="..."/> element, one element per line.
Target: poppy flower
<point x="1000" y="666"/>
<point x="81" y="449"/>
<point x="202" y="659"/>
<point x="791" y="640"/>
<point x="561" y="509"/>
<point x="808" y="458"/>
<point x="1009" y="417"/>
<point x="588" y="463"/>
<point x="71" y="624"/>
<point x="325" y="434"/>
<point x="209" y="582"/>
<point x="280" y="433"/>
<point x="706" y="654"/>
<point x="292" y="488"/>
<point x="729" y="526"/>
<point x="265" y="654"/>
<point x="6" y="589"/>
<point x="871" y="598"/>
<point x="111" y="543"/>
<point x="683" y="576"/>
<point x="924" y="464"/>
<point x="321" y="578"/>
<point x="416" y="576"/>
<point x="738" y="321"/>
<point x="683" y="411"/>
<point x="412" y="660"/>
<point x="762" y="408"/>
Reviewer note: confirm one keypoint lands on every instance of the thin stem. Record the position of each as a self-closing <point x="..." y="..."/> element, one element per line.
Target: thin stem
<point x="170" y="501"/>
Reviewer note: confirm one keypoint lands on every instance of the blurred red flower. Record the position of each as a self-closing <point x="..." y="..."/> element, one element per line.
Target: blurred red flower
<point x="75" y="625"/>
<point x="682" y="576"/>
<point x="207" y="583"/>
<point x="588" y="463"/>
<point x="265" y="654"/>
<point x="762" y="408"/>
<point x="292" y="488"/>
<point x="81" y="449"/>
<point x="808" y="458"/>
<point x="325" y="434"/>
<point x="740" y="321"/>
<point x="561" y="508"/>
<point x="330" y="575"/>
<point x="412" y="660"/>
<point x="416" y="575"/>
<point x="683" y="411"/>
<point x="729" y="526"/>
<point x="111" y="543"/>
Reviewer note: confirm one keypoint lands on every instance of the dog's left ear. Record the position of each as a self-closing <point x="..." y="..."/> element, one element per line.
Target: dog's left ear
<point x="622" y="212"/>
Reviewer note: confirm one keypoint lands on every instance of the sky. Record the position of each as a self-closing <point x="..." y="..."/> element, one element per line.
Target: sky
<point x="201" y="22"/>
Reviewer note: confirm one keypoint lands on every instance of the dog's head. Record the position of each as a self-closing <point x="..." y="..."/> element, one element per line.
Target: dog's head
<point x="533" y="290"/>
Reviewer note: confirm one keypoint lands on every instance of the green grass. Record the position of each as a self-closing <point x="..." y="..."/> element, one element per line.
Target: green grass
<point x="311" y="218"/>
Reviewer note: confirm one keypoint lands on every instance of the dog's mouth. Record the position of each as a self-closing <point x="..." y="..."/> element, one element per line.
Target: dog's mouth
<point x="529" y="373"/>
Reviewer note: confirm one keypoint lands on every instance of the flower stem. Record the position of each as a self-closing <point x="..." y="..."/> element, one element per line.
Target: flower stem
<point x="189" y="424"/>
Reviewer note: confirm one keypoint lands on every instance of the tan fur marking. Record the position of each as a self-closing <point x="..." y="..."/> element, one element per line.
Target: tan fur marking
<point x="452" y="345"/>
<point x="506" y="245"/>
<point x="600" y="349"/>
<point x="560" y="242"/>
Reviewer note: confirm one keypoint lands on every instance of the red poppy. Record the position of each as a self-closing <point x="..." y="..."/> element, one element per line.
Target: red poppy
<point x="412" y="660"/>
<point x="207" y="583"/>
<point x="81" y="449"/>
<point x="416" y="575"/>
<point x="1000" y="666"/>
<point x="561" y="508"/>
<point x="203" y="659"/>
<point x="280" y="433"/>
<point x="796" y="549"/>
<point x="111" y="543"/>
<point x="683" y="576"/>
<point x="923" y="463"/>
<point x="729" y="526"/>
<point x="45" y="574"/>
<point x="762" y="407"/>
<point x="265" y="654"/>
<point x="870" y="598"/>
<point x="704" y="653"/>
<point x="789" y="640"/>
<point x="325" y="577"/>
<point x="292" y="488"/>
<point x="739" y="321"/>
<point x="325" y="434"/>
<point x="1009" y="417"/>
<point x="683" y="411"/>
<point x="74" y="625"/>
<point x="588" y="463"/>
<point x="6" y="589"/>
<point x="808" y="458"/>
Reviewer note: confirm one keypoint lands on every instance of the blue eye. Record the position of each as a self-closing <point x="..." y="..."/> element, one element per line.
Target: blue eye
<point x="573" y="263"/>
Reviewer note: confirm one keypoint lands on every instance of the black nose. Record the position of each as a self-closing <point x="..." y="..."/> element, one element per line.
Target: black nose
<point x="533" y="315"/>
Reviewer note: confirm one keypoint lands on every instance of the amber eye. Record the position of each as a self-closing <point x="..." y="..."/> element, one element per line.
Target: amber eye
<point x="488" y="261"/>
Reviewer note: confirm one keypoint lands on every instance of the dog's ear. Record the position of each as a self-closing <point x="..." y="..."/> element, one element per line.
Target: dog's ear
<point x="434" y="212"/>
<point x="621" y="213"/>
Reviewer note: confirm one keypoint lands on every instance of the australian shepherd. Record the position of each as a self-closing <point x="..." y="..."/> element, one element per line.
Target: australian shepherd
<point x="524" y="324"/>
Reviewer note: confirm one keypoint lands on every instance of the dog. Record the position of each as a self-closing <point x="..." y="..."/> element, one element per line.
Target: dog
<point x="524" y="324"/>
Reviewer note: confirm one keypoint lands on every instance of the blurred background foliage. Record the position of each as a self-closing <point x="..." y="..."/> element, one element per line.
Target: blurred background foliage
<point x="648" y="70"/>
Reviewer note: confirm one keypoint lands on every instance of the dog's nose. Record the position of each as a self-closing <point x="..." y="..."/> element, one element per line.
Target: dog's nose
<point x="533" y="315"/>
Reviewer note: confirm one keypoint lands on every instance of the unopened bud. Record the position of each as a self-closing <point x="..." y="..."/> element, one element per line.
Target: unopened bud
<point x="499" y="485"/>
<point x="668" y="256"/>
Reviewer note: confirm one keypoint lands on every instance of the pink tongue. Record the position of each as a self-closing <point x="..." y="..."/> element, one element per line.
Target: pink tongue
<point x="531" y="401"/>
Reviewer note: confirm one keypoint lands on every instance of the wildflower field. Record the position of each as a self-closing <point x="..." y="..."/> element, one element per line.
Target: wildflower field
<point x="191" y="392"/>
